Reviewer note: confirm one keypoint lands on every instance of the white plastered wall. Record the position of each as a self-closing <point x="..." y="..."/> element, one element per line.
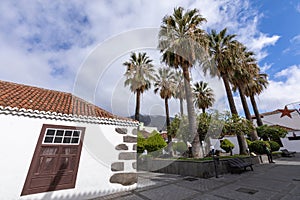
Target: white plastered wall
<point x="19" y="136"/>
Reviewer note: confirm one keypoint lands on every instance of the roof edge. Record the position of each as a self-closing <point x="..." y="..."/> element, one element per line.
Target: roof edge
<point x="66" y="117"/>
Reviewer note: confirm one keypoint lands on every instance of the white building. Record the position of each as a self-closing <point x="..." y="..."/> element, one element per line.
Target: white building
<point x="289" y="119"/>
<point x="286" y="118"/>
<point x="57" y="146"/>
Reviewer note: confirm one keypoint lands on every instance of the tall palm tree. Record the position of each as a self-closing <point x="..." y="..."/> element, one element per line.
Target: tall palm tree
<point x="220" y="47"/>
<point x="181" y="43"/>
<point x="179" y="92"/>
<point x="164" y="84"/>
<point x="139" y="74"/>
<point x="203" y="96"/>
<point x="255" y="87"/>
<point x="246" y="68"/>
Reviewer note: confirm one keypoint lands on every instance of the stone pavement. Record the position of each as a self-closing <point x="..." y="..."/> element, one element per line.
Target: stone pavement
<point x="279" y="181"/>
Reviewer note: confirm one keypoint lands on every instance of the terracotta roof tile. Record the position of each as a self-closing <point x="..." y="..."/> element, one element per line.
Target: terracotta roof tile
<point x="29" y="97"/>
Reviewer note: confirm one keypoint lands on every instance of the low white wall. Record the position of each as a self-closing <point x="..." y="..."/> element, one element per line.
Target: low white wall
<point x="19" y="137"/>
<point x="232" y="139"/>
<point x="291" y="145"/>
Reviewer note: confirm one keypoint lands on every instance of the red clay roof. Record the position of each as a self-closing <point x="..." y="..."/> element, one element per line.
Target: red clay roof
<point x="28" y="97"/>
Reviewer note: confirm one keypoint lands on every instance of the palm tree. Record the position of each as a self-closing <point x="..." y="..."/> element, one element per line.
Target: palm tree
<point x="181" y="43"/>
<point x="246" y="68"/>
<point x="255" y="87"/>
<point x="139" y="74"/>
<point x="204" y="96"/>
<point x="221" y="46"/>
<point x="179" y="90"/>
<point x="164" y="84"/>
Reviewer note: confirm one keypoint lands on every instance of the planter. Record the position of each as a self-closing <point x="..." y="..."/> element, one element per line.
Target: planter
<point x="203" y="169"/>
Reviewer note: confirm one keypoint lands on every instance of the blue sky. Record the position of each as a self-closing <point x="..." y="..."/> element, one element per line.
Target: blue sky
<point x="47" y="43"/>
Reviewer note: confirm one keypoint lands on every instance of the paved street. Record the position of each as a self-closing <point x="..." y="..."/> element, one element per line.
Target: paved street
<point x="279" y="181"/>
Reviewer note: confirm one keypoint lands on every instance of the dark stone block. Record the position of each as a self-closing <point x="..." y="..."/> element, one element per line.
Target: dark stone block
<point x="121" y="130"/>
<point x="124" y="178"/>
<point x="121" y="147"/>
<point x="127" y="156"/>
<point x="134" y="147"/>
<point x="117" y="166"/>
<point x="134" y="131"/>
<point x="129" y="139"/>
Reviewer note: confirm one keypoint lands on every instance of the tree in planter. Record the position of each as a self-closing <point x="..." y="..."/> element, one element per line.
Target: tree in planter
<point x="164" y="84"/>
<point x="179" y="128"/>
<point x="273" y="133"/>
<point x="258" y="146"/>
<point x="227" y="146"/>
<point x="183" y="44"/>
<point x="236" y="125"/>
<point x="274" y="146"/>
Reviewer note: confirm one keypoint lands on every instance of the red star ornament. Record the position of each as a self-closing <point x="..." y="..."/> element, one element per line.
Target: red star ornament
<point x="285" y="112"/>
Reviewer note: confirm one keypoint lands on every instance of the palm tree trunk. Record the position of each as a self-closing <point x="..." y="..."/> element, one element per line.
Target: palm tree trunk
<point x="255" y="110"/>
<point x="229" y="95"/>
<point x="170" y="145"/>
<point x="167" y="118"/>
<point x="254" y="135"/>
<point x="245" y="105"/>
<point x="240" y="137"/>
<point x="203" y="110"/>
<point x="137" y="107"/>
<point x="191" y="113"/>
<point x="181" y="106"/>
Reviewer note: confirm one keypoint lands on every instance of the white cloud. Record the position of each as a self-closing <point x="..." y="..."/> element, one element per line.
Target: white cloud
<point x="45" y="43"/>
<point x="294" y="46"/>
<point x="283" y="91"/>
<point x="295" y="39"/>
<point x="265" y="67"/>
<point x="298" y="7"/>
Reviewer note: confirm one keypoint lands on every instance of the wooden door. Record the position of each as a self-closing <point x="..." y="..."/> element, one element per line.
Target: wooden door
<point x="55" y="161"/>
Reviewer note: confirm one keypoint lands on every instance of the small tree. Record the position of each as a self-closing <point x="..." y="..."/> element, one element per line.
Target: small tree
<point x="204" y="120"/>
<point x="258" y="146"/>
<point x="179" y="128"/>
<point x="271" y="133"/>
<point x="141" y="141"/>
<point x="274" y="146"/>
<point x="227" y="146"/>
<point x="155" y="142"/>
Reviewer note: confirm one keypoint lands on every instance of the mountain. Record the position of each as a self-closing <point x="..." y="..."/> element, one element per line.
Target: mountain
<point x="158" y="121"/>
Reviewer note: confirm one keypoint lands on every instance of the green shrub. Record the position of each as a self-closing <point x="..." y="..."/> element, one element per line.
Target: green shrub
<point x="140" y="144"/>
<point x="274" y="146"/>
<point x="154" y="142"/>
<point x="258" y="146"/>
<point x="226" y="145"/>
<point x="180" y="147"/>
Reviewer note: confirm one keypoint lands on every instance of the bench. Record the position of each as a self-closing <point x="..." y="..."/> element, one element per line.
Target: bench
<point x="239" y="164"/>
<point x="287" y="153"/>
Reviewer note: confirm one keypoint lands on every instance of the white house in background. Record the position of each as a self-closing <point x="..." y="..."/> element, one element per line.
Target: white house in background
<point x="57" y="146"/>
<point x="282" y="117"/>
<point x="286" y="118"/>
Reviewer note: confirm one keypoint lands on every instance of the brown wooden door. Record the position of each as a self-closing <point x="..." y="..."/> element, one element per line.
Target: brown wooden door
<point x="55" y="161"/>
